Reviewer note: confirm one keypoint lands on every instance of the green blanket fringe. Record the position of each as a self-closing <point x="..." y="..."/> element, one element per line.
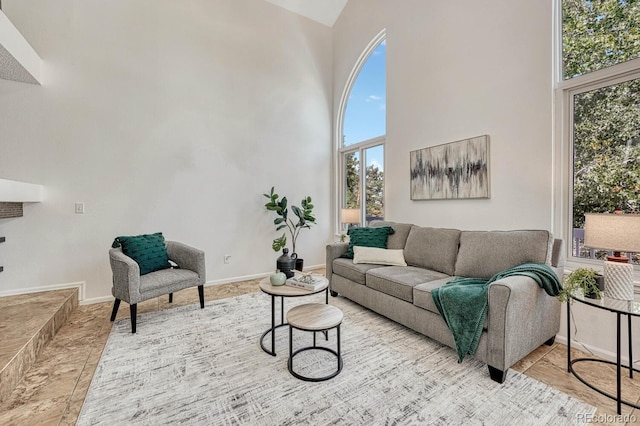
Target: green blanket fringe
<point x="463" y="302"/>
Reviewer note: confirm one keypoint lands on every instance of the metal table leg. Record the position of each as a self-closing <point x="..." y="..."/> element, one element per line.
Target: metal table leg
<point x="630" y="347"/>
<point x="273" y="328"/>
<point x="569" y="335"/>
<point x="618" y="364"/>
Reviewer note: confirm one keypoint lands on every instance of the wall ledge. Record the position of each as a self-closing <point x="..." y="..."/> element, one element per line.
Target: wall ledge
<point x="12" y="191"/>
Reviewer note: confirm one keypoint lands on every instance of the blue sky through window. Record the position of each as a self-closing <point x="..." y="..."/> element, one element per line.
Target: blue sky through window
<point x="365" y="114"/>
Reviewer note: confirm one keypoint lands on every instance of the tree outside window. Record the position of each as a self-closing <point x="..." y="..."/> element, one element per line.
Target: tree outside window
<point x="605" y="113"/>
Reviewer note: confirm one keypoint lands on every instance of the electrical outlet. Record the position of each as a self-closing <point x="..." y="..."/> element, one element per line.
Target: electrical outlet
<point x="79" y="208"/>
<point x="227" y="258"/>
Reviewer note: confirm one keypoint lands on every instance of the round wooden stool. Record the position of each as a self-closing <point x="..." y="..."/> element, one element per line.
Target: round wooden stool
<point x="314" y="317"/>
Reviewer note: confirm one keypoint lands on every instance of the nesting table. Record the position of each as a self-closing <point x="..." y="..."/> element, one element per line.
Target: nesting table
<point x="282" y="292"/>
<point x="314" y="317"/>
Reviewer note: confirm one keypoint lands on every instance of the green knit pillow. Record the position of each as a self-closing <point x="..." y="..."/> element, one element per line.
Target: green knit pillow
<point x="149" y="251"/>
<point x="367" y="237"/>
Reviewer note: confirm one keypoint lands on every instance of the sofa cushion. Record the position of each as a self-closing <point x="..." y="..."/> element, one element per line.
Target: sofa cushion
<point x="483" y="254"/>
<point x="432" y="248"/>
<point x="422" y="297"/>
<point x="398" y="281"/>
<point x="367" y="237"/>
<point x="347" y="269"/>
<point x="155" y="283"/>
<point x="378" y="256"/>
<point x="398" y="239"/>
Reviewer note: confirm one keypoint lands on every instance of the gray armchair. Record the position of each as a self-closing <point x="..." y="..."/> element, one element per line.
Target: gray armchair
<point x="129" y="286"/>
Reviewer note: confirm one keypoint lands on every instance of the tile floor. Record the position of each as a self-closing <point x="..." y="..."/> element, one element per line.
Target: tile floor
<point x="53" y="390"/>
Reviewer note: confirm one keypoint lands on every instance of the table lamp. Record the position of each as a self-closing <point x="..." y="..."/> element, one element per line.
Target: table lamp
<point x="619" y="233"/>
<point x="350" y="216"/>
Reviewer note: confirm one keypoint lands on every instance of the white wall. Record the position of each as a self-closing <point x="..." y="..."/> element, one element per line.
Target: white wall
<point x="457" y="70"/>
<point x="163" y="115"/>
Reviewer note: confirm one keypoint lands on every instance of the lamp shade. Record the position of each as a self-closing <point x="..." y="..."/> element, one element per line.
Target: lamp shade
<point x="617" y="232"/>
<point x="350" y="216"/>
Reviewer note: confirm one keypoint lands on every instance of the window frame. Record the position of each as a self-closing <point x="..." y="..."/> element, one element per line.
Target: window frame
<point x="563" y="110"/>
<point x="340" y="149"/>
<point x="361" y="148"/>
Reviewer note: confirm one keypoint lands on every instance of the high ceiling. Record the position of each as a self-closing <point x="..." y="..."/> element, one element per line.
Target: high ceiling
<point x="324" y="11"/>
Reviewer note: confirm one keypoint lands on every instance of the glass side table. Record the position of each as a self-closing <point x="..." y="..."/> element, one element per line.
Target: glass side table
<point x="619" y="307"/>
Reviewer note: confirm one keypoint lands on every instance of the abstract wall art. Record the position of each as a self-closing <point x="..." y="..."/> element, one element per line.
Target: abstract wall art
<point x="451" y="171"/>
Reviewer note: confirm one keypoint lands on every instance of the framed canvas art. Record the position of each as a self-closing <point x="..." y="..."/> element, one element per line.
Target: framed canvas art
<point x="451" y="171"/>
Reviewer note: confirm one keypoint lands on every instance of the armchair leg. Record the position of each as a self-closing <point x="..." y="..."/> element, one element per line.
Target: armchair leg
<point x="201" y="295"/>
<point x="170" y="297"/>
<point x="114" y="311"/>
<point x="133" y="309"/>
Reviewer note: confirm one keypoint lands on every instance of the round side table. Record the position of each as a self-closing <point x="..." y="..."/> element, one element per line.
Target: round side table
<point x="314" y="317"/>
<point x="283" y="291"/>
<point x="630" y="308"/>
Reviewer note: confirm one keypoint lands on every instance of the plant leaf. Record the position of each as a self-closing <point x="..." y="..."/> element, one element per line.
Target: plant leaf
<point x="297" y="211"/>
<point x="279" y="243"/>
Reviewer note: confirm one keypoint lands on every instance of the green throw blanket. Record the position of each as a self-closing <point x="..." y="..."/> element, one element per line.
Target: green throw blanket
<point x="463" y="302"/>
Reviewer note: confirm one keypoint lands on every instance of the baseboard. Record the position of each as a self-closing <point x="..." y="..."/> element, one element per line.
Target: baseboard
<point x="94" y="300"/>
<point x="598" y="352"/>
<point x="79" y="285"/>
<point x="253" y="276"/>
<point x="207" y="284"/>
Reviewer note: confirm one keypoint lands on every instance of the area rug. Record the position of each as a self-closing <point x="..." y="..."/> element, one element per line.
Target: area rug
<point x="205" y="367"/>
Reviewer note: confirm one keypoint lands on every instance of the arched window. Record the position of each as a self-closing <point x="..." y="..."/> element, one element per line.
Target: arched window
<point x="361" y="132"/>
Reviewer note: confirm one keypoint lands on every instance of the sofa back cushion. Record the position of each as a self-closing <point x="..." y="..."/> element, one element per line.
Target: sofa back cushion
<point x="432" y="248"/>
<point x="483" y="254"/>
<point x="398" y="239"/>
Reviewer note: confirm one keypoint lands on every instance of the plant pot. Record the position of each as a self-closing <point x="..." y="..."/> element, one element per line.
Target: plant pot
<point x="591" y="295"/>
<point x="600" y="284"/>
<point x="286" y="263"/>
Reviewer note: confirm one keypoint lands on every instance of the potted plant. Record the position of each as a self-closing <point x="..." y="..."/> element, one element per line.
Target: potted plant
<point x="305" y="219"/>
<point x="582" y="279"/>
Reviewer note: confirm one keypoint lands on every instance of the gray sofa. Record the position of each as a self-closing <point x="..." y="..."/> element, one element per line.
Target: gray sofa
<point x="521" y="316"/>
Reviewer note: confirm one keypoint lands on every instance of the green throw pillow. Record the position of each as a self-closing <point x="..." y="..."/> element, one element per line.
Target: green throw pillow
<point x="149" y="251"/>
<point x="367" y="237"/>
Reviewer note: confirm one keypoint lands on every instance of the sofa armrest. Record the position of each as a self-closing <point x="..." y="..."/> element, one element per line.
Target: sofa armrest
<point x="521" y="317"/>
<point x="126" y="276"/>
<point x="334" y="251"/>
<point x="188" y="257"/>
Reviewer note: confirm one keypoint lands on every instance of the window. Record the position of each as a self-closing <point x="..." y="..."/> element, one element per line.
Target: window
<point x="598" y="34"/>
<point x="601" y="103"/>
<point x="361" y="132"/>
